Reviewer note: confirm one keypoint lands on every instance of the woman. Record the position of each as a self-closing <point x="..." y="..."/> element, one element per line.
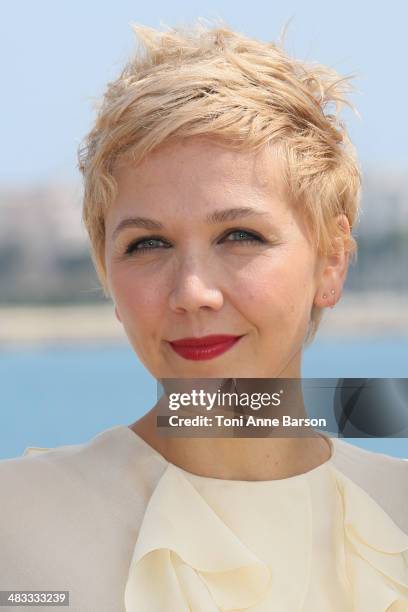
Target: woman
<point x="220" y="193"/>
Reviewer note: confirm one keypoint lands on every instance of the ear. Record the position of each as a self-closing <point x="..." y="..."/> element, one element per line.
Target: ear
<point x="333" y="270"/>
<point x="117" y="314"/>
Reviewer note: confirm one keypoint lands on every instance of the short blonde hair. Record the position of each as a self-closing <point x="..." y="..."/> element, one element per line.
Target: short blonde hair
<point x="196" y="80"/>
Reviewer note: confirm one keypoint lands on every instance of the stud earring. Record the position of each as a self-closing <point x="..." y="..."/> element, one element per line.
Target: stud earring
<point x="324" y="296"/>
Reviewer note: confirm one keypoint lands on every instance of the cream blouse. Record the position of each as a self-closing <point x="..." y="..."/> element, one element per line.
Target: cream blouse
<point x="123" y="530"/>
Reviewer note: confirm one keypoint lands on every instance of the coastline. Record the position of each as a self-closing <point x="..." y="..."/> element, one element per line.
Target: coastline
<point x="360" y="315"/>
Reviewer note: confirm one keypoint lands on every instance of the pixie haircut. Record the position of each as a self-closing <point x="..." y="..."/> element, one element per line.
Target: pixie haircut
<point x="211" y="81"/>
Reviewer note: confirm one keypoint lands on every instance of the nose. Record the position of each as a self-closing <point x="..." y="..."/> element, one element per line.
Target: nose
<point x="193" y="290"/>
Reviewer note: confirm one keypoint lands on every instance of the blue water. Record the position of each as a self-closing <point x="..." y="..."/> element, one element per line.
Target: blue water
<point x="66" y="395"/>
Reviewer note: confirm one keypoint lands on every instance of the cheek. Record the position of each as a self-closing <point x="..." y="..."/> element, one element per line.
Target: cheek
<point x="138" y="297"/>
<point x="277" y="284"/>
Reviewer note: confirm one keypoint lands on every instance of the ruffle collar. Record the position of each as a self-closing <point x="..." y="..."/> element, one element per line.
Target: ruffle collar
<point x="176" y="567"/>
<point x="376" y="552"/>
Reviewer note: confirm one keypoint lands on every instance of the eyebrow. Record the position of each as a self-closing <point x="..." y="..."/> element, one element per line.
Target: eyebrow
<point x="218" y="216"/>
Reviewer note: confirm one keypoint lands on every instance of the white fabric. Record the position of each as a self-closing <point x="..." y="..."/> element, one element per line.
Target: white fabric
<point x="123" y="530"/>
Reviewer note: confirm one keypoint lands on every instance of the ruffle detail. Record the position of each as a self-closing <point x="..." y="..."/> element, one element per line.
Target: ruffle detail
<point x="376" y="552"/>
<point x="176" y="567"/>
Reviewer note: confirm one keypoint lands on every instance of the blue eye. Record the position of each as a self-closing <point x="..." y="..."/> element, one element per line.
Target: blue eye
<point x="146" y="244"/>
<point x="243" y="236"/>
<point x="154" y="243"/>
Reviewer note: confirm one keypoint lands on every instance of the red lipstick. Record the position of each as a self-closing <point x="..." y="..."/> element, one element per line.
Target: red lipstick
<point x="206" y="347"/>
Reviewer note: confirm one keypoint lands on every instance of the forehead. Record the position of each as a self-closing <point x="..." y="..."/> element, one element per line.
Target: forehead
<point x="201" y="165"/>
<point x="182" y="182"/>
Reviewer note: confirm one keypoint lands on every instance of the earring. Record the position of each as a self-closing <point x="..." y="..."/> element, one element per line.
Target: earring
<point x="324" y="296"/>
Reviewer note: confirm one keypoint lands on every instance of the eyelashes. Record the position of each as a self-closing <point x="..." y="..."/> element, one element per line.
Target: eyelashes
<point x="139" y="246"/>
<point x="151" y="243"/>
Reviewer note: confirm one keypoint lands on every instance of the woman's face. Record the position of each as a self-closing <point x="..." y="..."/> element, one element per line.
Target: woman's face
<point x="201" y="241"/>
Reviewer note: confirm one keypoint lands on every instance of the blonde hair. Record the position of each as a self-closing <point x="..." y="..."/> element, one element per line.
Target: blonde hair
<point x="195" y="80"/>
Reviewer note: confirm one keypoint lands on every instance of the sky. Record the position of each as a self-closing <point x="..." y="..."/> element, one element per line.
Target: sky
<point x="56" y="58"/>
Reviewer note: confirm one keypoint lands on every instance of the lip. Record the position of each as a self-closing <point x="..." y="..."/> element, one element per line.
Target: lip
<point x="206" y="347"/>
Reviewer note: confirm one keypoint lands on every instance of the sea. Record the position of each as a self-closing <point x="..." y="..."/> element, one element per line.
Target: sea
<point x="52" y="396"/>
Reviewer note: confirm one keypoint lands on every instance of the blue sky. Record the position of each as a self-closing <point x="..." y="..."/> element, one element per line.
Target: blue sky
<point x="57" y="56"/>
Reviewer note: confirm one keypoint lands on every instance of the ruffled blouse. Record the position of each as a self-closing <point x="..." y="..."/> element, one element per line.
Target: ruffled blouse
<point x="314" y="542"/>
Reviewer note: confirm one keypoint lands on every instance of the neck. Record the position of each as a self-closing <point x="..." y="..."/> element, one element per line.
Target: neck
<point x="240" y="458"/>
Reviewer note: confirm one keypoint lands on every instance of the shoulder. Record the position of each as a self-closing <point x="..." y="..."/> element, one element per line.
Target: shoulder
<point x="111" y="466"/>
<point x="91" y="467"/>
<point x="383" y="477"/>
<point x="55" y="504"/>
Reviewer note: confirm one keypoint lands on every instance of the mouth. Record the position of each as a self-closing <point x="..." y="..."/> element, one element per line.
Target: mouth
<point x="206" y="347"/>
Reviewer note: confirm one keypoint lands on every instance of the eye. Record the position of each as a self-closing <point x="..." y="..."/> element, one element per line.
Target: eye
<point x="154" y="243"/>
<point x="240" y="236"/>
<point x="145" y="244"/>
